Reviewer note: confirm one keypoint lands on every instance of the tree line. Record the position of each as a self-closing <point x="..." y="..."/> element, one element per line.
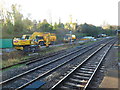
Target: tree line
<point x="14" y="24"/>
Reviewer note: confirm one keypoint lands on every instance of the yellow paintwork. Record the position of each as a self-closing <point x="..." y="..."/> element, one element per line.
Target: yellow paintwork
<point x="69" y="36"/>
<point x="32" y="40"/>
<point x="20" y="48"/>
<point x="51" y="36"/>
<point x="33" y="36"/>
<point x="22" y="42"/>
<point x="47" y="37"/>
<point x="85" y="39"/>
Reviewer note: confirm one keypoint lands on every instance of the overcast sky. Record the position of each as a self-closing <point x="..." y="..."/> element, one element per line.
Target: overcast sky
<point x="90" y="11"/>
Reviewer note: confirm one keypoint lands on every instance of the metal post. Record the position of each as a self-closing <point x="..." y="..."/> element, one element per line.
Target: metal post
<point x="70" y="36"/>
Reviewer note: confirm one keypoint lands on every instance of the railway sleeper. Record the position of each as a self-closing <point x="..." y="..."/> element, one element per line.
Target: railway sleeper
<point x="71" y="69"/>
<point x="90" y="65"/>
<point x="29" y="76"/>
<point x="101" y="71"/>
<point x="26" y="79"/>
<point x="69" y="88"/>
<point x="83" y="74"/>
<point x="74" y="85"/>
<point x="35" y="74"/>
<point x="102" y="68"/>
<point x="86" y="69"/>
<point x="87" y="72"/>
<point x="81" y="77"/>
<point x="78" y="80"/>
<point x="39" y="71"/>
<point x="64" y="87"/>
<point x="93" y="63"/>
<point x="64" y="74"/>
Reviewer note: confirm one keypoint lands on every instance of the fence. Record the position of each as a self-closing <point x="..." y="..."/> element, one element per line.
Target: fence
<point x="6" y="43"/>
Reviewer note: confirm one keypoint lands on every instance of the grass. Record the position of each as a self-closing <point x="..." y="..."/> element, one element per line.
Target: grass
<point x="12" y="58"/>
<point x="10" y="62"/>
<point x="55" y="49"/>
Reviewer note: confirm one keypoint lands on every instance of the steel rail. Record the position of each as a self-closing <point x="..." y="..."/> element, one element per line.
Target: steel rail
<point x="46" y="73"/>
<point x="33" y="59"/>
<point x="71" y="72"/>
<point x="97" y="67"/>
<point x="24" y="73"/>
<point x="52" y="55"/>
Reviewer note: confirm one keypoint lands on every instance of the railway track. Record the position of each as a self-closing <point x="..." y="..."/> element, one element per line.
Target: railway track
<point x="34" y="63"/>
<point x="34" y="59"/>
<point x="80" y="76"/>
<point x="29" y="78"/>
<point x="28" y="67"/>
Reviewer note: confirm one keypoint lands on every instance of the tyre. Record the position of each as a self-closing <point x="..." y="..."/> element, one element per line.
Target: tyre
<point x="41" y="43"/>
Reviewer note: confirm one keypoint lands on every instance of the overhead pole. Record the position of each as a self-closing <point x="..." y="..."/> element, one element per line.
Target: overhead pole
<point x="70" y="36"/>
<point x="59" y="20"/>
<point x="70" y="29"/>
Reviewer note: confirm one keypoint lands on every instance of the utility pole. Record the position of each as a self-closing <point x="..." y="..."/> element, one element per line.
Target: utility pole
<point x="70" y="36"/>
<point x="70" y="19"/>
<point x="59" y="20"/>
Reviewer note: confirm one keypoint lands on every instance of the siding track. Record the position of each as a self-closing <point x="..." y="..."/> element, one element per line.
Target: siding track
<point x="24" y="79"/>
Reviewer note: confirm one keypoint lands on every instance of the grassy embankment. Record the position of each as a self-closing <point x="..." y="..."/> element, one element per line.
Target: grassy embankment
<point x="18" y="56"/>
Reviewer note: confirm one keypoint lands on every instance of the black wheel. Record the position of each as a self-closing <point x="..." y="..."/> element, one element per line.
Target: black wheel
<point x="41" y="43"/>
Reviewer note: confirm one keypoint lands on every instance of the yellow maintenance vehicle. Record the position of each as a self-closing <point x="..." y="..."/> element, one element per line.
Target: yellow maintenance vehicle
<point x="34" y="41"/>
<point x="69" y="37"/>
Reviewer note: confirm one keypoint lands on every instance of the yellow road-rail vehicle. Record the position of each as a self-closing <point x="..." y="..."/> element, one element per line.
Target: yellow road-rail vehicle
<point x="34" y="41"/>
<point x="69" y="37"/>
